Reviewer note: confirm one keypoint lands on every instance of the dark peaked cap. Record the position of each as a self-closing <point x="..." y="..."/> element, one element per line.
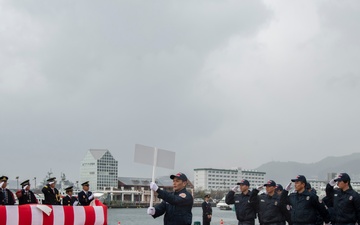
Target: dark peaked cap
<point x="52" y="179"/>
<point x="4" y="178"/>
<point x="70" y="188"/>
<point x="24" y="183"/>
<point x="86" y="183"/>
<point x="300" y="178"/>
<point x="343" y="177"/>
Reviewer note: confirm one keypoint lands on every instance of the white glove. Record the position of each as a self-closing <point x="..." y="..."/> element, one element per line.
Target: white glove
<point x="25" y="187"/>
<point x="1" y="184"/>
<point x="235" y="188"/>
<point x="332" y="182"/>
<point x="151" y="211"/>
<point x="91" y="197"/>
<point x="259" y="188"/>
<point x="288" y="187"/>
<point x="75" y="203"/>
<point x="153" y="186"/>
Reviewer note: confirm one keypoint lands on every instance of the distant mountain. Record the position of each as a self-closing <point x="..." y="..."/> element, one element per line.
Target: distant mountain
<point x="283" y="172"/>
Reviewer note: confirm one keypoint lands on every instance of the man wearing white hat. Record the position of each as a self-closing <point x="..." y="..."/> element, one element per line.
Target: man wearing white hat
<point x="51" y="194"/>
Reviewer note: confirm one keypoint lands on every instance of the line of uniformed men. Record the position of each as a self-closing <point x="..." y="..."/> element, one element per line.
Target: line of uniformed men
<point x="341" y="206"/>
<point x="52" y="195"/>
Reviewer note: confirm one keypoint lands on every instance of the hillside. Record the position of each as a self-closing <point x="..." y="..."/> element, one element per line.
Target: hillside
<point x="282" y="172"/>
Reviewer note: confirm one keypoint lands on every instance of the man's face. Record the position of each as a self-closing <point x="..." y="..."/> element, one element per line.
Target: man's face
<point x="341" y="184"/>
<point x="27" y="187"/>
<point x="85" y="188"/>
<point x="299" y="186"/>
<point x="270" y="190"/>
<point x="53" y="185"/>
<point x="244" y="188"/>
<point x="4" y="184"/>
<point x="178" y="184"/>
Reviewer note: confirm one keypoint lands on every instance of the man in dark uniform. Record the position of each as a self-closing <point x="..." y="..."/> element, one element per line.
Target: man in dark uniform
<point x="207" y="210"/>
<point x="345" y="202"/>
<point x="51" y="194"/>
<point x="279" y="188"/>
<point x="269" y="208"/>
<point x="85" y="196"/>
<point x="69" y="200"/>
<point x="305" y="206"/>
<point x="176" y="205"/>
<point x="25" y="195"/>
<point x="6" y="196"/>
<point x="245" y="207"/>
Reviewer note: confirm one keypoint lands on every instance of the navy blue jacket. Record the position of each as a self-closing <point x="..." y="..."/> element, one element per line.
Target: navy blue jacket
<point x="51" y="197"/>
<point x="245" y="207"/>
<point x="26" y="197"/>
<point x="207" y="210"/>
<point x="345" y="204"/>
<point x="176" y="206"/>
<point x="69" y="200"/>
<point x="269" y="208"/>
<point x="305" y="207"/>
<point x="84" y="198"/>
<point x="9" y="200"/>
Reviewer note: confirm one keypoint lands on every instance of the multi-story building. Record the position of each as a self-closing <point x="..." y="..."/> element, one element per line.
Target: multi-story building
<point x="99" y="168"/>
<point x="134" y="189"/>
<point x="223" y="179"/>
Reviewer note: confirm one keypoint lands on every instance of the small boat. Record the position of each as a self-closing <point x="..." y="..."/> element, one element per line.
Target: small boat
<point x="35" y="214"/>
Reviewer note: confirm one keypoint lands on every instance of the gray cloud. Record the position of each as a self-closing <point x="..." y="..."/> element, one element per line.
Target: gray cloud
<point x="223" y="84"/>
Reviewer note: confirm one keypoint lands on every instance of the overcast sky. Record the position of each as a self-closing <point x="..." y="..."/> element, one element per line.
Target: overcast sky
<point x="223" y="84"/>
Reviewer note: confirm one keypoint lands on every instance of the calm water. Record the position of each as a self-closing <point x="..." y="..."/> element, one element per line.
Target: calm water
<point x="139" y="217"/>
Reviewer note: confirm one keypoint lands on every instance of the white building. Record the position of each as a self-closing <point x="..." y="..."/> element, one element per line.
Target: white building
<point x="222" y="179"/>
<point x="99" y="168"/>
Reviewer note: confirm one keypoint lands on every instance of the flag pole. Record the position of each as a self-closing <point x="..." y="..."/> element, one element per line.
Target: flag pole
<point x="153" y="177"/>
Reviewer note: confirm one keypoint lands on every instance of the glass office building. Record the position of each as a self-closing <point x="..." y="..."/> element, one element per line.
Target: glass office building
<point x="99" y="168"/>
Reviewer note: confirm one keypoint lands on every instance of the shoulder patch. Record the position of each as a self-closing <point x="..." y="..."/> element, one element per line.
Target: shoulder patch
<point x="183" y="195"/>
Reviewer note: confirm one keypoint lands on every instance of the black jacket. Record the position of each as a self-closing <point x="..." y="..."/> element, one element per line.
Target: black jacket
<point x="176" y="206"/>
<point x="305" y="207"/>
<point x="6" y="198"/>
<point x="245" y="207"/>
<point x="84" y="198"/>
<point x="345" y="205"/>
<point x="269" y="208"/>
<point x="207" y="210"/>
<point x="26" y="197"/>
<point x="69" y="200"/>
<point x="51" y="197"/>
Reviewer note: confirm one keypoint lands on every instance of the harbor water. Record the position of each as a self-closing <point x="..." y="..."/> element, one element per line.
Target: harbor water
<point x="138" y="216"/>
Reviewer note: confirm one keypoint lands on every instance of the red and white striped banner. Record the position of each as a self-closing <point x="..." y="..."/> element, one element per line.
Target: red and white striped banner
<point x="60" y="215"/>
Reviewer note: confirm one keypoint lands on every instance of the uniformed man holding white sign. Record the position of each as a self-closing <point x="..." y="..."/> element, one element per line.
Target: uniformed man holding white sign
<point x="176" y="205"/>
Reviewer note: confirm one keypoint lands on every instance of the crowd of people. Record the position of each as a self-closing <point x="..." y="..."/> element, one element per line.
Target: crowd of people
<point x="52" y="196"/>
<point x="275" y="206"/>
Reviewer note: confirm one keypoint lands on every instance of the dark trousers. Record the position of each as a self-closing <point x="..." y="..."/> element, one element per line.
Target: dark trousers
<point x="246" y="222"/>
<point x="206" y="220"/>
<point x="279" y="223"/>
